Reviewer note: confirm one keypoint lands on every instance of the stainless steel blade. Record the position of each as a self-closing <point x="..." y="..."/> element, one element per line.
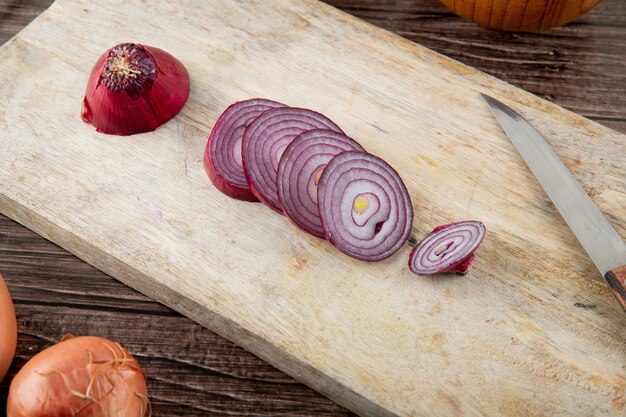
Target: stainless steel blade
<point x="597" y="236"/>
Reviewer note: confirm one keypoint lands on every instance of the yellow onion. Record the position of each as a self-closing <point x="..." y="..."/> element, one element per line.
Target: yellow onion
<point x="80" y="376"/>
<point x="8" y="329"/>
<point x="521" y="15"/>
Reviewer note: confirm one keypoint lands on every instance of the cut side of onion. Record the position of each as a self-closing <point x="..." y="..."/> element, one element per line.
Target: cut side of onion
<point x="300" y="170"/>
<point x="222" y="156"/>
<point x="364" y="206"/>
<point x="264" y="142"/>
<point x="448" y="248"/>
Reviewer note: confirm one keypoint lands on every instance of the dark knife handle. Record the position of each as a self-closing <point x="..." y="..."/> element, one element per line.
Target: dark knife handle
<point x="617" y="281"/>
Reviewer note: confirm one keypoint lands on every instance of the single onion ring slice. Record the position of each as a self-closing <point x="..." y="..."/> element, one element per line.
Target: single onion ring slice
<point x="299" y="172"/>
<point x="264" y="142"/>
<point x="364" y="206"/>
<point x="222" y="156"/>
<point x="448" y="248"/>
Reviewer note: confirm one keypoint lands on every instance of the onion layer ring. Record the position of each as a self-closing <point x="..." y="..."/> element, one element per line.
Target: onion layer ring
<point x="222" y="156"/>
<point x="299" y="173"/>
<point x="365" y="207"/>
<point x="448" y="248"/>
<point x="264" y="142"/>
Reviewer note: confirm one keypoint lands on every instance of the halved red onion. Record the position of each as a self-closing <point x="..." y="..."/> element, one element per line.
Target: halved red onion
<point x="364" y="206"/>
<point x="264" y="142"/>
<point x="134" y="89"/>
<point x="299" y="172"/>
<point x="448" y="248"/>
<point x="222" y="157"/>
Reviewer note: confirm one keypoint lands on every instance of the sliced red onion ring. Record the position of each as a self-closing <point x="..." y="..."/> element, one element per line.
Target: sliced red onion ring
<point x="365" y="207"/>
<point x="299" y="173"/>
<point x="264" y="142"/>
<point x="222" y="157"/>
<point x="448" y="248"/>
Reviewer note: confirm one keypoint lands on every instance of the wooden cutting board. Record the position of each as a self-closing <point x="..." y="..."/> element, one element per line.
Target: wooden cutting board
<point x="532" y="330"/>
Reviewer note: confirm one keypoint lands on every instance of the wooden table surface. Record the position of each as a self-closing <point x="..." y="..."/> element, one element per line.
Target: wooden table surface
<point x="194" y="372"/>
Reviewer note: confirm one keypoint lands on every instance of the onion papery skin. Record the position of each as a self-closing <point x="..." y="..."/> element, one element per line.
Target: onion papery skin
<point x="222" y="156"/>
<point x="8" y="329"/>
<point x="265" y="140"/>
<point x="455" y="243"/>
<point x="304" y="159"/>
<point x="80" y="376"/>
<point x="383" y="226"/>
<point x="521" y="16"/>
<point x="137" y="108"/>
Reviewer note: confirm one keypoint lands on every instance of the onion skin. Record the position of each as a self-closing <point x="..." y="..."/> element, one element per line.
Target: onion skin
<point x="463" y="267"/>
<point x="235" y="118"/>
<point x="521" y="15"/>
<point x="136" y="110"/>
<point x="222" y="184"/>
<point x="84" y="377"/>
<point x="8" y="329"/>
<point x="377" y="230"/>
<point x="427" y="249"/>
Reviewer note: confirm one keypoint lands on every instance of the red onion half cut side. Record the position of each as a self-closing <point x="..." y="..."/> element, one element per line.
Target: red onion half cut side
<point x="264" y="142"/>
<point x="448" y="248"/>
<point x="364" y="206"/>
<point x="222" y="157"/>
<point x="300" y="170"/>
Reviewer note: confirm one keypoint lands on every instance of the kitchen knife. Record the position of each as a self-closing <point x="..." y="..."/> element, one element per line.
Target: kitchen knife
<point x="606" y="249"/>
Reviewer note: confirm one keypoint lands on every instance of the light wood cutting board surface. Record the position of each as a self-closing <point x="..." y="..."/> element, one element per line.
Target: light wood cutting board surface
<point x="532" y="330"/>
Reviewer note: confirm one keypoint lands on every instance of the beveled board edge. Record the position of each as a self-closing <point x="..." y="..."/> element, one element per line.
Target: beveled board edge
<point x="212" y="320"/>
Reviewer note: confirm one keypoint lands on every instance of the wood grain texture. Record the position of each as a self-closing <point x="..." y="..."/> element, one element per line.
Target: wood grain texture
<point x="192" y="371"/>
<point x="15" y="14"/>
<point x="579" y="66"/>
<point x="34" y="262"/>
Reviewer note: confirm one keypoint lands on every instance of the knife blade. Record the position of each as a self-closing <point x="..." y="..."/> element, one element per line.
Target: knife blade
<point x="599" y="239"/>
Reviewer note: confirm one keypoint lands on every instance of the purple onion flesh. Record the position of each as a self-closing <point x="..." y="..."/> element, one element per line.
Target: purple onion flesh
<point x="300" y="170"/>
<point x="266" y="139"/>
<point x="222" y="157"/>
<point x="364" y="206"/>
<point x="448" y="248"/>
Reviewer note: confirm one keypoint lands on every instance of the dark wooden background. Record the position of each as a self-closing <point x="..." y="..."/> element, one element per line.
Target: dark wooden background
<point x="194" y="372"/>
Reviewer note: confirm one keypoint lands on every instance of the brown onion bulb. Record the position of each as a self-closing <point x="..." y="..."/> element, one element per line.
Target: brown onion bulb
<point x="84" y="377"/>
<point x="8" y="329"/>
<point x="521" y="15"/>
